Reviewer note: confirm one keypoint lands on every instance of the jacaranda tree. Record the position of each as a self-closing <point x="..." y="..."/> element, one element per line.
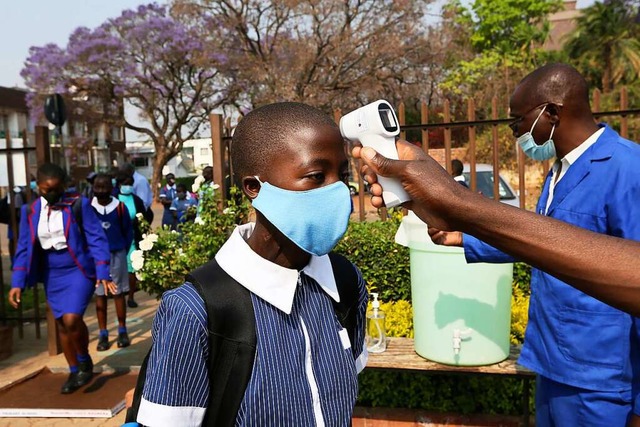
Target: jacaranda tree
<point x="144" y="57"/>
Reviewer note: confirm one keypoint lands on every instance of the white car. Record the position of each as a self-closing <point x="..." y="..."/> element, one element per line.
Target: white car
<point x="484" y="184"/>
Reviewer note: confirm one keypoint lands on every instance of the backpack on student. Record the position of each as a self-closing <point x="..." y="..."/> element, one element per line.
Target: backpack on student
<point x="232" y="335"/>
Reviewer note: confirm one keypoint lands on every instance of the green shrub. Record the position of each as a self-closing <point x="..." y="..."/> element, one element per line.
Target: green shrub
<point x="384" y="264"/>
<point x="522" y="277"/>
<point x="398" y="318"/>
<point x="461" y="394"/>
<point x="168" y="256"/>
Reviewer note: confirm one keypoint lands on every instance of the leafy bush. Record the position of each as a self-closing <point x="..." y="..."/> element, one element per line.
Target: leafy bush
<point x="384" y="263"/>
<point x="165" y="257"/>
<point x="443" y="393"/>
<point x="399" y="318"/>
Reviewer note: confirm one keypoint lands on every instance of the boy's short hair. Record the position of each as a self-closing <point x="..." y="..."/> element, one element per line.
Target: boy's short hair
<point x="260" y="134"/>
<point x="181" y="186"/>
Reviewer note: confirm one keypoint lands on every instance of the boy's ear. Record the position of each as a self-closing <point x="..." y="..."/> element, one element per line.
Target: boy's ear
<point x="250" y="186"/>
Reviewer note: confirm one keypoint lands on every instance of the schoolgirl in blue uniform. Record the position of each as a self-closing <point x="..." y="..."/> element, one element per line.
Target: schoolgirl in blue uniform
<point x="70" y="261"/>
<point x="116" y="222"/>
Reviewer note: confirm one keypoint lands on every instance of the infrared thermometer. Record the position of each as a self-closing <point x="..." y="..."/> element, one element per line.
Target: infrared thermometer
<point x="375" y="125"/>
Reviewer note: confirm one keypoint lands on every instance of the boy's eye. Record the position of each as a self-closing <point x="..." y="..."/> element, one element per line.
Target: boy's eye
<point x="318" y="177"/>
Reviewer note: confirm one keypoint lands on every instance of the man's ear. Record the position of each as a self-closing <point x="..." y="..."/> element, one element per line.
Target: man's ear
<point x="553" y="110"/>
<point x="250" y="186"/>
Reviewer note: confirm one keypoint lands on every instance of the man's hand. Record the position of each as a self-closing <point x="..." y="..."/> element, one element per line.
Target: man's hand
<point x="14" y="297"/>
<point x="109" y="286"/>
<point x="434" y="193"/>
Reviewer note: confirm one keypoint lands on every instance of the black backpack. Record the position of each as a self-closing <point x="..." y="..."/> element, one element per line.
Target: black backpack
<point x="232" y="335"/>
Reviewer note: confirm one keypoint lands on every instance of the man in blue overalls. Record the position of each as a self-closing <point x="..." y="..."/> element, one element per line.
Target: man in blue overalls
<point x="585" y="352"/>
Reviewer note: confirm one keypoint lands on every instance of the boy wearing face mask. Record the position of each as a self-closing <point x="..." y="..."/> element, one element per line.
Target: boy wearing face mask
<point x="180" y="206"/>
<point x="166" y="197"/>
<point x="135" y="206"/>
<point x="116" y="222"/>
<point x="297" y="364"/>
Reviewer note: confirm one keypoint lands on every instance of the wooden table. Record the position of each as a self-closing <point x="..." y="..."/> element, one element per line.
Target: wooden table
<point x="401" y="355"/>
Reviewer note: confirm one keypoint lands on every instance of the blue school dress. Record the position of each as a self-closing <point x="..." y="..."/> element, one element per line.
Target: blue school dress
<point x="70" y="268"/>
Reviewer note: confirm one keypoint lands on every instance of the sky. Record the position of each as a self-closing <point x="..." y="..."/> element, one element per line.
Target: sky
<point x="29" y="23"/>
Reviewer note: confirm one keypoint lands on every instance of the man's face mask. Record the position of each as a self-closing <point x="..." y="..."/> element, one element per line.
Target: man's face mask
<point x="315" y="220"/>
<point x="531" y="149"/>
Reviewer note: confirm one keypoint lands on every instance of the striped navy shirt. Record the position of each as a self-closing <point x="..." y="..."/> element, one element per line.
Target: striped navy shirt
<point x="305" y="369"/>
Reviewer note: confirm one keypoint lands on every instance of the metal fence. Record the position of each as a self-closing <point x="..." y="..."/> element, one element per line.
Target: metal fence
<point x="463" y="134"/>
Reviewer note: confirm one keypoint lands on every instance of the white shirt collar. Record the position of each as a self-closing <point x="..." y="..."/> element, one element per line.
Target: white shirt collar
<point x="104" y="210"/>
<point x="269" y="281"/>
<point x="575" y="154"/>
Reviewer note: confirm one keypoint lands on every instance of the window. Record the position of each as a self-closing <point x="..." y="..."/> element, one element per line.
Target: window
<point x="204" y="151"/>
<point x="116" y="133"/>
<point x="140" y="162"/>
<point x="83" y="159"/>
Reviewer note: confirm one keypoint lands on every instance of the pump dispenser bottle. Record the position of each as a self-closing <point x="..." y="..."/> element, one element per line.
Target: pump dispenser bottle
<point x="376" y="334"/>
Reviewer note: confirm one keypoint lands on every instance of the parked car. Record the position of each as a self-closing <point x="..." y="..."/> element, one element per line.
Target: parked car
<point x="354" y="187"/>
<point x="484" y="184"/>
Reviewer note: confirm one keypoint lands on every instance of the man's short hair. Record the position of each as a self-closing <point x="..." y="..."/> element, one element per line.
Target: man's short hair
<point x="261" y="134"/>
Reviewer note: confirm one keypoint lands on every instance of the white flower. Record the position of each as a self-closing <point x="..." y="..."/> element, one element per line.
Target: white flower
<point x="199" y="221"/>
<point x="139" y="216"/>
<point x="146" y="244"/>
<point x="228" y="211"/>
<point x="137" y="260"/>
<point x="197" y="183"/>
<point x="139" y="276"/>
<point x="215" y="186"/>
<point x="153" y="237"/>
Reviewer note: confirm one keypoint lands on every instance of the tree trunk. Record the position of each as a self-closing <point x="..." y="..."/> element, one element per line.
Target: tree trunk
<point x="159" y="161"/>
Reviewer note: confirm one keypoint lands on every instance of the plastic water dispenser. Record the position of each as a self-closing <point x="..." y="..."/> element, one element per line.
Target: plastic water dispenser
<point x="461" y="312"/>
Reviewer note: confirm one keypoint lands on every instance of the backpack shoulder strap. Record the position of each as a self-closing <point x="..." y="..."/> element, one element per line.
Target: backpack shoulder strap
<point x="347" y="284"/>
<point x="76" y="209"/>
<point x="232" y="341"/>
<point x="232" y="344"/>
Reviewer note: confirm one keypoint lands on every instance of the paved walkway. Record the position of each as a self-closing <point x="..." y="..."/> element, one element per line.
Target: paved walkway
<point x="30" y="355"/>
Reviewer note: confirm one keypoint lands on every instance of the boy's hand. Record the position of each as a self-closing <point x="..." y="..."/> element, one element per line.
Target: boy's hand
<point x="445" y="238"/>
<point x="109" y="286"/>
<point x="14" y="297"/>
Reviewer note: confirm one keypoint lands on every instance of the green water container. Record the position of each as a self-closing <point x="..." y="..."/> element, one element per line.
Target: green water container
<point x="461" y="312"/>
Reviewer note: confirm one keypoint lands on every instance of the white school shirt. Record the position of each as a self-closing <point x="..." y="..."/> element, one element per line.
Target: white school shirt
<point x="51" y="227"/>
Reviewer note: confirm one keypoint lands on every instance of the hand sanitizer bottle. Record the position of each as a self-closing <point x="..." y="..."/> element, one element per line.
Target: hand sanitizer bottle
<point x="376" y="335"/>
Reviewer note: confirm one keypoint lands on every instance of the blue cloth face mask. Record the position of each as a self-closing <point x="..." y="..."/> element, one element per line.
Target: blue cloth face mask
<point x="126" y="189"/>
<point x="315" y="220"/>
<point x="534" y="151"/>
